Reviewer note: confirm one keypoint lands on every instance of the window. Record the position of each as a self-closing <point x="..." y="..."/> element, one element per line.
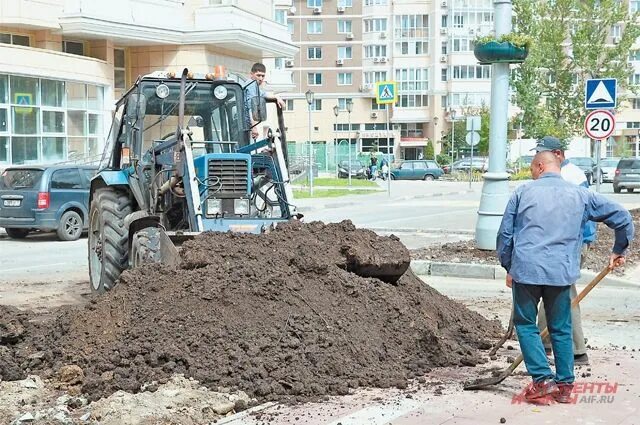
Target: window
<point x="314" y="27"/>
<point x="471" y="72"/>
<point x="342" y="103"/>
<point x="412" y="47"/>
<point x="411" y="129"/>
<point x="66" y="179"/>
<point x="443" y="48"/>
<point x="314" y="79"/>
<point x="373" y="77"/>
<point x="18" y="40"/>
<point x="375" y="25"/>
<point x="469" y="99"/>
<point x="314" y="3"/>
<point x="458" y="20"/>
<point x="280" y="16"/>
<point x="616" y="30"/>
<point x="314" y="53"/>
<point x="634" y="55"/>
<point x="290" y="27"/>
<point x="345" y="127"/>
<point x="316" y="105"/>
<point x="375" y="51"/>
<point x="344" y="26"/>
<point x="443" y="74"/>
<point x="634" y="6"/>
<point x="344" y="52"/>
<point x="633" y="124"/>
<point x="635" y="103"/>
<point x="412" y="101"/>
<point x="73" y="47"/>
<point x="376" y="2"/>
<point x="462" y="45"/>
<point x="345" y="3"/>
<point x="412" y="26"/>
<point x="288" y="104"/>
<point x="634" y="79"/>
<point x="412" y="79"/>
<point x="119" y="73"/>
<point x="444" y="21"/>
<point x="376" y="107"/>
<point x="345" y="78"/>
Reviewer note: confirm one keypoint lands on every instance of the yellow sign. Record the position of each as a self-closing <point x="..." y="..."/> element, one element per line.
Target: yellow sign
<point x="24" y="99"/>
<point x="386" y="92"/>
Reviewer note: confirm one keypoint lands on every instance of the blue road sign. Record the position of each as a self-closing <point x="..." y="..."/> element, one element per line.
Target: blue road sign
<point x="386" y="92"/>
<point x="600" y="93"/>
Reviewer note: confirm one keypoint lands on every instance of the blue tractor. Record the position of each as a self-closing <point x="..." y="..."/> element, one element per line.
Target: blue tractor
<point x="179" y="161"/>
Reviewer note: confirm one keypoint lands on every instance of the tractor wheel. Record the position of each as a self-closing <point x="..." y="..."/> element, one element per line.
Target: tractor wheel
<point x="108" y="237"/>
<point x="145" y="247"/>
<point x="14" y="233"/>
<point x="70" y="227"/>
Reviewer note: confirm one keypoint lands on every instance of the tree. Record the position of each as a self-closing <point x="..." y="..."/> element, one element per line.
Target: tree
<point x="571" y="43"/>
<point x="428" y="151"/>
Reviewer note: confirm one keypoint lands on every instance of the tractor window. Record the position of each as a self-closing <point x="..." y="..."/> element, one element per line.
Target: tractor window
<point x="209" y="119"/>
<point x="107" y="154"/>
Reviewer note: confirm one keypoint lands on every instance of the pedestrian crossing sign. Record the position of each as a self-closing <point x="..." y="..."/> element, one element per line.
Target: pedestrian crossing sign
<point x="386" y="92"/>
<point x="24" y="100"/>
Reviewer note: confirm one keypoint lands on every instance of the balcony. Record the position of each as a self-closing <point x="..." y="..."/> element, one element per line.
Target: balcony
<point x="32" y="14"/>
<point x="221" y="24"/>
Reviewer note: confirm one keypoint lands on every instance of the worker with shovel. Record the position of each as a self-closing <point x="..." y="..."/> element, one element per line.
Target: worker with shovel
<point x="539" y="244"/>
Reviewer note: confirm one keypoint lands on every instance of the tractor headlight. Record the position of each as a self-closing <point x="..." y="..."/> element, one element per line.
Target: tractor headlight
<point x="241" y="206"/>
<point x="220" y="92"/>
<point x="214" y="206"/>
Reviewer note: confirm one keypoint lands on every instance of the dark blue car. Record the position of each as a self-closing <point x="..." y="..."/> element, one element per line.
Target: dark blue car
<point x="45" y="198"/>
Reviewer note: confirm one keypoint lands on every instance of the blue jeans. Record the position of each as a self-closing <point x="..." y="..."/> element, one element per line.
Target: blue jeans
<point x="557" y="303"/>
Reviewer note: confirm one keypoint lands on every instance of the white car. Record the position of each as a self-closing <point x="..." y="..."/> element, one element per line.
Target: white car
<point x="608" y="167"/>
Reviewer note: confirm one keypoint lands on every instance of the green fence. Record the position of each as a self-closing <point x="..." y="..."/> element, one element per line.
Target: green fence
<point x="326" y="156"/>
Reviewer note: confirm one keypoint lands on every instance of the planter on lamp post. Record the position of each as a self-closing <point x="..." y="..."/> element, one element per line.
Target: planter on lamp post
<point x="509" y="48"/>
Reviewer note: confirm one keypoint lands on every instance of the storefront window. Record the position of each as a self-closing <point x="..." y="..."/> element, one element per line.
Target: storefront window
<point x="45" y="120"/>
<point x="24" y="150"/>
<point x="52" y="122"/>
<point x="25" y="120"/>
<point x="4" y="149"/>
<point x="76" y="96"/>
<point x="52" y="93"/>
<point x="53" y="149"/>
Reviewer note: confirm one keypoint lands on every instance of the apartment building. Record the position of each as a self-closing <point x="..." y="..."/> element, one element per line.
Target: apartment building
<point x="346" y="46"/>
<point x="64" y="62"/>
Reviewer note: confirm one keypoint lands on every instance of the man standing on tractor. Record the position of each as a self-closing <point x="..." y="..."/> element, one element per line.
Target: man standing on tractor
<point x="258" y="73"/>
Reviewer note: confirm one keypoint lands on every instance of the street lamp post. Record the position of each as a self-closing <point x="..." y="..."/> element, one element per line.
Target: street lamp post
<point x="638" y="145"/>
<point x="309" y="95"/>
<point x="453" y="133"/>
<point x="336" y="110"/>
<point x="349" y="109"/>
<point x="495" y="189"/>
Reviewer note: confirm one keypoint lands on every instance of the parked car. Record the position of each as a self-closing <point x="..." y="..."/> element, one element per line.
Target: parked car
<point x="479" y="163"/>
<point x="45" y="198"/>
<point x="523" y="162"/>
<point x="357" y="169"/>
<point x="416" y="170"/>
<point x="608" y="167"/>
<point x="627" y="175"/>
<point x="586" y="164"/>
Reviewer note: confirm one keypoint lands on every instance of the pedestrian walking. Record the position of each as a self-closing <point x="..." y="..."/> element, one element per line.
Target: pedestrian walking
<point x="573" y="174"/>
<point x="538" y="244"/>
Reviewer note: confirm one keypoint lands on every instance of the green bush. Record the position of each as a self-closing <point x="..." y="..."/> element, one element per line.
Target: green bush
<point x="524" y="174"/>
<point x="443" y="159"/>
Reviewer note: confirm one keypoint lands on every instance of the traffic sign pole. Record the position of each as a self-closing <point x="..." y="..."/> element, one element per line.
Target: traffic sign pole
<point x="598" y="142"/>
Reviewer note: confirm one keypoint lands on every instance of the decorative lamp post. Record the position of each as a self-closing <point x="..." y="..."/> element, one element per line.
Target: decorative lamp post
<point x="309" y="95"/>
<point x="349" y="109"/>
<point x="336" y="111"/>
<point x="435" y="132"/>
<point x="453" y="132"/>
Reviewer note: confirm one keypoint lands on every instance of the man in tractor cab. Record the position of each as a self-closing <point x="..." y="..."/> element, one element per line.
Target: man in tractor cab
<point x="258" y="73"/>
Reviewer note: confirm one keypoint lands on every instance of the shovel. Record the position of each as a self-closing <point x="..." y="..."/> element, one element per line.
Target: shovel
<point x="482" y="383"/>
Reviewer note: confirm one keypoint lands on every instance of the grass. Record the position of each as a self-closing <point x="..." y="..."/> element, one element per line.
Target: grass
<point x="330" y="193"/>
<point x="325" y="181"/>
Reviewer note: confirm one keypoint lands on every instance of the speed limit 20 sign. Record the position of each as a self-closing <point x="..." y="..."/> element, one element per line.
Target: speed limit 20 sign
<point x="600" y="124"/>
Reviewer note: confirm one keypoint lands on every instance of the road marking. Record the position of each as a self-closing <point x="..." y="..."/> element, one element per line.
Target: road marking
<point x="379" y="414"/>
<point x="24" y="269"/>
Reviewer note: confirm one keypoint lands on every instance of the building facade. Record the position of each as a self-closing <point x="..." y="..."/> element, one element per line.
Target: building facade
<point x="346" y="46"/>
<point x="63" y="63"/>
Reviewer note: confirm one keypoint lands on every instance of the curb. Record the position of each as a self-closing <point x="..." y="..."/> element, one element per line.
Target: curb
<point x="495" y="272"/>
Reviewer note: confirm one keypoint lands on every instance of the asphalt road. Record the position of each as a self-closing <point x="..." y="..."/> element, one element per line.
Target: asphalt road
<point x="419" y="212"/>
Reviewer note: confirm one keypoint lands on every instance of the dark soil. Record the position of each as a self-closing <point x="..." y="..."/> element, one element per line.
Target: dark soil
<point x="280" y="316"/>
<point x="597" y="256"/>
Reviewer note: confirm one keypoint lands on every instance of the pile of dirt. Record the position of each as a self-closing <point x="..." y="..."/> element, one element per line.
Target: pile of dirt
<point x="597" y="256"/>
<point x="279" y="316"/>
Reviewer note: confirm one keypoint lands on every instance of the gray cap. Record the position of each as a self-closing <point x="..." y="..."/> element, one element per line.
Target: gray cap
<point x="548" y="143"/>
